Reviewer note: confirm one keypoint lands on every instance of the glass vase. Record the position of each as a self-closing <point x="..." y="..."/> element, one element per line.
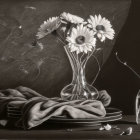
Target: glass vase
<point x="79" y="88"/>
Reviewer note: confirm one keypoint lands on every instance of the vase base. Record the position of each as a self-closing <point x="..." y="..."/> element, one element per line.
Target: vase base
<point x="88" y="93"/>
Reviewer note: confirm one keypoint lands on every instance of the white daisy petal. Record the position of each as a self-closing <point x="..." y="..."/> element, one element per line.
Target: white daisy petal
<point x="109" y="37"/>
<point x="99" y="18"/>
<point x="99" y="35"/>
<point x="102" y="38"/>
<point x="71" y="18"/>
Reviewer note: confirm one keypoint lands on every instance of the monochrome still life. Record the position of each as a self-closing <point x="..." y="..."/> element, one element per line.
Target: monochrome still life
<point x="61" y="70"/>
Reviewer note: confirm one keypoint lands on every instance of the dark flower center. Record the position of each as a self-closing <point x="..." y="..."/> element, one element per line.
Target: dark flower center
<point x="80" y="39"/>
<point x="100" y="27"/>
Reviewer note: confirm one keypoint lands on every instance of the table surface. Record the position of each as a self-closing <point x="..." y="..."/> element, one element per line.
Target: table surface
<point x="71" y="132"/>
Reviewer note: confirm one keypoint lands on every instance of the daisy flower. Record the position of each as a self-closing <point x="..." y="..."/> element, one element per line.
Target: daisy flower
<point x="48" y="26"/>
<point x="81" y="39"/>
<point x="71" y="18"/>
<point x="102" y="27"/>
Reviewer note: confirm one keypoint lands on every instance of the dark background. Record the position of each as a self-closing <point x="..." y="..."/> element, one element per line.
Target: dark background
<point x="118" y="79"/>
<point x="48" y="71"/>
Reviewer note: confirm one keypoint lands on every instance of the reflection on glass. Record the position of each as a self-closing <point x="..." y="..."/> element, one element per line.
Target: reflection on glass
<point x="137" y="108"/>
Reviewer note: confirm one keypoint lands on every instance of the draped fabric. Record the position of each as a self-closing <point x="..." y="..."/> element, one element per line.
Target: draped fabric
<point x="29" y="109"/>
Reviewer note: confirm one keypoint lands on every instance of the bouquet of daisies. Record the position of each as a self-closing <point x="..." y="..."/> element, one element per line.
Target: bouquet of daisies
<point x="79" y="35"/>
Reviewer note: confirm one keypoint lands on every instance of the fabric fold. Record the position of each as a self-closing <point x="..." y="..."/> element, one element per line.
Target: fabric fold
<point x="30" y="109"/>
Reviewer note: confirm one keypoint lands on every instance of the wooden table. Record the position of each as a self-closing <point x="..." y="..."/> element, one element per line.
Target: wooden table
<point x="67" y="132"/>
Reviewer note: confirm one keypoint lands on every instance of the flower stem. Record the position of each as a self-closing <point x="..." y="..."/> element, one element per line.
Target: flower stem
<point x="99" y="68"/>
<point x="125" y="64"/>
